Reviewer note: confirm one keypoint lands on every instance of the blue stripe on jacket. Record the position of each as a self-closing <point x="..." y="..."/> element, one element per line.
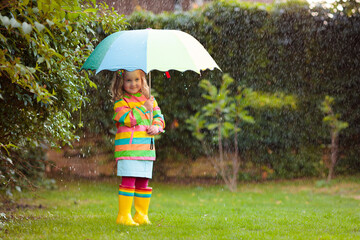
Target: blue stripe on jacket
<point x="126" y="141"/>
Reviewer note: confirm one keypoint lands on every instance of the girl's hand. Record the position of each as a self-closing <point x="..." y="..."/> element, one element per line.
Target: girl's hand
<point x="149" y="104"/>
<point x="152" y="130"/>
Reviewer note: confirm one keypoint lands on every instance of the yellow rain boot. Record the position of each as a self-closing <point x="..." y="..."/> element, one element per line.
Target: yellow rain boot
<point x="126" y="195"/>
<point x="142" y="202"/>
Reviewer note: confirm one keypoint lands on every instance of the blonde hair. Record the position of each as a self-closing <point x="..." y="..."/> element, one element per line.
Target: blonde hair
<point x="117" y="90"/>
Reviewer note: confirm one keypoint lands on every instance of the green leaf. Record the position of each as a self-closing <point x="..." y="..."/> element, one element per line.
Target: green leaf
<point x="212" y="126"/>
<point x="342" y="125"/>
<point x="248" y="119"/>
<point x="92" y="84"/>
<point x="88" y="10"/>
<point x="3" y="38"/>
<point x="199" y="135"/>
<point x="328" y="118"/>
<point x="228" y="125"/>
<point x="40" y="60"/>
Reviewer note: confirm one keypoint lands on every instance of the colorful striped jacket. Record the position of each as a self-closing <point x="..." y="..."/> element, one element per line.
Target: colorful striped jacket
<point x="132" y="120"/>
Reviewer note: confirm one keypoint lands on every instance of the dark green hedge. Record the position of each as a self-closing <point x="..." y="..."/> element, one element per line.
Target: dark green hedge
<point x="288" y="48"/>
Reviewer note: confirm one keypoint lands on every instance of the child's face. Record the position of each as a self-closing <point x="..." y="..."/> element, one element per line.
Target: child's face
<point x="132" y="82"/>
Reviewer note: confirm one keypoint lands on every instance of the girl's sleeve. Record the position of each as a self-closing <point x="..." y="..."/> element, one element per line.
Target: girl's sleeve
<point x="128" y="116"/>
<point x="158" y="118"/>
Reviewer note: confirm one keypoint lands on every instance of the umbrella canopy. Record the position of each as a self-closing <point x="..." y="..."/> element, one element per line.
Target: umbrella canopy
<point x="150" y="49"/>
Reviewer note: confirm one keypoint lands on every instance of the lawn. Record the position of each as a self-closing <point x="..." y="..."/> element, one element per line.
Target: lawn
<point x="273" y="210"/>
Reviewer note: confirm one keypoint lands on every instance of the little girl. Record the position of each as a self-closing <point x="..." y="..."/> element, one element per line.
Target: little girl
<point x="134" y="143"/>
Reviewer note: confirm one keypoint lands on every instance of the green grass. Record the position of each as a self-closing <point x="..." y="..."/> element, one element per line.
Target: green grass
<point x="272" y="210"/>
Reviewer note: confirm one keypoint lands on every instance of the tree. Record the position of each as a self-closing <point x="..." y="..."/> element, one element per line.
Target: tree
<point x="336" y="126"/>
<point x="226" y="113"/>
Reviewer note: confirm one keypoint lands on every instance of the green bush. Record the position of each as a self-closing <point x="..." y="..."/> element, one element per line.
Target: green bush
<point x="43" y="44"/>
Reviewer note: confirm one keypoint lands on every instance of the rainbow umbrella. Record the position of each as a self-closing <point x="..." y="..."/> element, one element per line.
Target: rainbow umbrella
<point x="150" y="49"/>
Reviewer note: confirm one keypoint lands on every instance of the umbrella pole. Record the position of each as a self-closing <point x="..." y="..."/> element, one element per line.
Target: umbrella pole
<point x="151" y="111"/>
<point x="149" y="84"/>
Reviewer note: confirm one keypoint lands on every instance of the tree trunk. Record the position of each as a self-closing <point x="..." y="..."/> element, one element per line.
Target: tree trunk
<point x="222" y="166"/>
<point x="221" y="150"/>
<point x="334" y="152"/>
<point x="236" y="161"/>
<point x="221" y="157"/>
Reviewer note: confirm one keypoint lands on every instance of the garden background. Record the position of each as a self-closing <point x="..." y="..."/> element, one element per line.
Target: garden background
<point x="284" y="48"/>
<point x="52" y="114"/>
